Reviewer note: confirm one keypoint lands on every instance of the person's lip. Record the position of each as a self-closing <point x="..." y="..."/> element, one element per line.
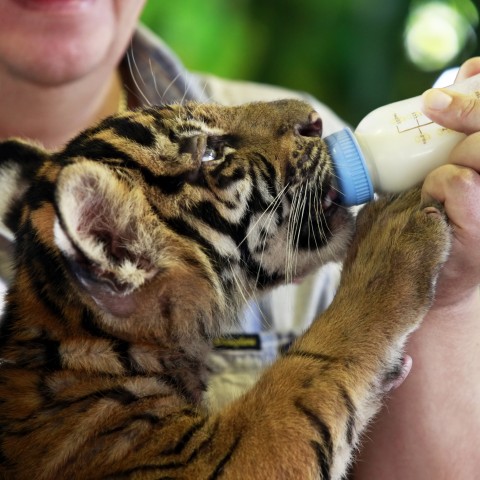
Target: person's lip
<point x="59" y="6"/>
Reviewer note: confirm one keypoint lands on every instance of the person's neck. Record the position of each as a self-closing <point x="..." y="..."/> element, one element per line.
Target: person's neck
<point x="53" y="115"/>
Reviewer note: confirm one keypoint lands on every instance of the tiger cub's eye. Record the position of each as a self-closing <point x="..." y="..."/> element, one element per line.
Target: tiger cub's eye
<point x="209" y="154"/>
<point x="214" y="150"/>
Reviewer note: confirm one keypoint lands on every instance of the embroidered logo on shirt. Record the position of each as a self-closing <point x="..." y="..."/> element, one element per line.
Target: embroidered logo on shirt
<point x="240" y="341"/>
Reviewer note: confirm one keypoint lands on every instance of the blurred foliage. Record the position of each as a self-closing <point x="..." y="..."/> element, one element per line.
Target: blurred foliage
<point x="348" y="53"/>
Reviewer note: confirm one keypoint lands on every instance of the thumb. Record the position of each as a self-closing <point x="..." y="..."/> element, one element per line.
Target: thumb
<point x="457" y="111"/>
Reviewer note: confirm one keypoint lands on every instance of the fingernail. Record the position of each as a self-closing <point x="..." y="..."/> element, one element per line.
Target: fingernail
<point x="435" y="99"/>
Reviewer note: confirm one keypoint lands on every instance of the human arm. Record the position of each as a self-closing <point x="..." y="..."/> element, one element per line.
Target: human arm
<point x="429" y="428"/>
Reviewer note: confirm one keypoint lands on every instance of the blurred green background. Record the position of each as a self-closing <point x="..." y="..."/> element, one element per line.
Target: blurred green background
<point x="354" y="55"/>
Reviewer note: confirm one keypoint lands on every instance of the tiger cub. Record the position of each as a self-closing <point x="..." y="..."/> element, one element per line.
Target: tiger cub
<point x="136" y="245"/>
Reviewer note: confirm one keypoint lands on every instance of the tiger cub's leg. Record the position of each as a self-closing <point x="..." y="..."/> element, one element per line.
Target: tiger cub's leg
<point x="330" y="383"/>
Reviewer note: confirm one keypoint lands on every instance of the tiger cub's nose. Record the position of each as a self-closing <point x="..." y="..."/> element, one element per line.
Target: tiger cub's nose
<point x="312" y="128"/>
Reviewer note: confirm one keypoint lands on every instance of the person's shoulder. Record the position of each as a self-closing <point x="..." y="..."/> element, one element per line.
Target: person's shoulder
<point x="156" y="74"/>
<point x="235" y="92"/>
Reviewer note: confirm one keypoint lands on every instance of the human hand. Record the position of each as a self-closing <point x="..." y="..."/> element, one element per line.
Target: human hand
<point x="457" y="186"/>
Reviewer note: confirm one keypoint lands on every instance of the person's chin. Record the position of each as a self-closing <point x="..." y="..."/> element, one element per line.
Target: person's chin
<point x="42" y="41"/>
<point x="56" y="7"/>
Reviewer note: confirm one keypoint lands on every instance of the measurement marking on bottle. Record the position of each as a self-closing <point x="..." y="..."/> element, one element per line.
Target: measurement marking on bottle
<point x="415" y="121"/>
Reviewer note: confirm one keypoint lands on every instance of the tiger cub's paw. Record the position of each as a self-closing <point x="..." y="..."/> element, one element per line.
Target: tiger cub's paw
<point x="397" y="251"/>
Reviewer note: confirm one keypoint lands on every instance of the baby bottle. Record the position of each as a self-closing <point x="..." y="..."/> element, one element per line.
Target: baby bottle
<point x="392" y="149"/>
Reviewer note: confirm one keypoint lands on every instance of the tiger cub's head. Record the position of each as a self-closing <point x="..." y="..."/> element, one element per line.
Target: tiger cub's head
<point x="177" y="212"/>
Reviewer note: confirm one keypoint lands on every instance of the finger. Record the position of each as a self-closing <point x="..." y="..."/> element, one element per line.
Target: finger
<point x="468" y="69"/>
<point x="457" y="111"/>
<point x="467" y="152"/>
<point x="458" y="188"/>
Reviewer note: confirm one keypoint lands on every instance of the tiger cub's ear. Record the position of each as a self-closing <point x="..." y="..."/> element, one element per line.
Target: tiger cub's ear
<point x="19" y="163"/>
<point x="107" y="232"/>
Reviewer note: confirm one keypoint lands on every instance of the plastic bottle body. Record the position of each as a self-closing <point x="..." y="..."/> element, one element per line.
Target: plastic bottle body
<point x="395" y="146"/>
<point x="402" y="145"/>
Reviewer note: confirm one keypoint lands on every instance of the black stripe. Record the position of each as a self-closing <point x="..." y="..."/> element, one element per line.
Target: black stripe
<point x="13" y="215"/>
<point x="351" y="410"/>
<point x="209" y="214"/>
<point x="28" y="157"/>
<point x="52" y="355"/>
<point x="131" y="130"/>
<point x="224" y="460"/>
<point x="224" y="181"/>
<point x="22" y="431"/>
<point x="118" y="394"/>
<point x="158" y="113"/>
<point x="47" y="279"/>
<point x="205" y="444"/>
<point x="38" y="352"/>
<point x="306" y="158"/>
<point x="4" y="461"/>
<point x="198" y="266"/>
<point x="144" y="417"/>
<point x="264" y="170"/>
<point x="43" y="191"/>
<point x="258" y="204"/>
<point x="320" y="426"/>
<point x="321" y="460"/>
<point x="100" y="150"/>
<point x="177" y="383"/>
<point x="270" y="174"/>
<point x="94" y="149"/>
<point x="169" y="184"/>
<point x="184" y="439"/>
<point x="45" y="265"/>
<point x="89" y="323"/>
<point x="122" y="349"/>
<point x="8" y="322"/>
<point x="182" y="228"/>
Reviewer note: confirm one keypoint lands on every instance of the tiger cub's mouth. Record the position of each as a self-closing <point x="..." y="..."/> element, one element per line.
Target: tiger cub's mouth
<point x="329" y="204"/>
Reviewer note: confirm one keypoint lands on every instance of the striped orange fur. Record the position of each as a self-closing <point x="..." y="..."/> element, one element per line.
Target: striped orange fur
<point x="137" y="244"/>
